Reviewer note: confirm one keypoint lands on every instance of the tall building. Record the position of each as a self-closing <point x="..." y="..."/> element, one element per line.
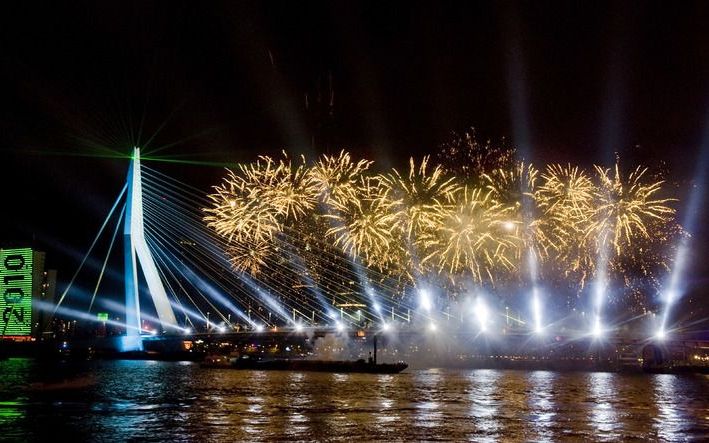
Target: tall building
<point x="47" y="291"/>
<point x="22" y="282"/>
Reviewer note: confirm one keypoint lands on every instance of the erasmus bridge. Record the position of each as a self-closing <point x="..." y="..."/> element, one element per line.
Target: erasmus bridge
<point x="192" y="290"/>
<point x="190" y="285"/>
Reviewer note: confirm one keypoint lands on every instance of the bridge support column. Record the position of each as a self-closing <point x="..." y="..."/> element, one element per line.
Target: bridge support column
<point x="136" y="251"/>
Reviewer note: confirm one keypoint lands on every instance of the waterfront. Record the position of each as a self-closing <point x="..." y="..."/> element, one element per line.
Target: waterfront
<point x="179" y="401"/>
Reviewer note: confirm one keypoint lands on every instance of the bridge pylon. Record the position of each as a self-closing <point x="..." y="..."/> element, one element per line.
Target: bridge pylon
<point x="136" y="251"/>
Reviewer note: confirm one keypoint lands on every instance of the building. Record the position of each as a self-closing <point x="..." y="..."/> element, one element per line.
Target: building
<point x="24" y="283"/>
<point x="46" y="295"/>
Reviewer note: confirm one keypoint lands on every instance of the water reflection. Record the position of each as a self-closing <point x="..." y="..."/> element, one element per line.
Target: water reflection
<point x="387" y="412"/>
<point x="255" y="418"/>
<point x="668" y="423"/>
<point x="176" y="402"/>
<point x="428" y="414"/>
<point x="11" y="411"/>
<point x="484" y="403"/>
<point x="603" y="416"/>
<point x="541" y="403"/>
<point x="298" y="400"/>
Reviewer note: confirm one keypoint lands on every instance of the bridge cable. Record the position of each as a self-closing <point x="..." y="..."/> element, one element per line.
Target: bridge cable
<point x="98" y="235"/>
<point x="108" y="254"/>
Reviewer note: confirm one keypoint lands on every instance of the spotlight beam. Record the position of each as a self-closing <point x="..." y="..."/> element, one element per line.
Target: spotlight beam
<point x="675" y="288"/>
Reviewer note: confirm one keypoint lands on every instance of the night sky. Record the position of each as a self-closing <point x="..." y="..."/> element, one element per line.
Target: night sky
<point x="224" y="82"/>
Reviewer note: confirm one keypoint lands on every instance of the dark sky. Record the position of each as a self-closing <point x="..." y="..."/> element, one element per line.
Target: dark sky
<point x="564" y="81"/>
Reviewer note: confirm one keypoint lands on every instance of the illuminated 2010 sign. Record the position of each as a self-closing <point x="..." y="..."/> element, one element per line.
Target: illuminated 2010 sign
<point x="16" y="291"/>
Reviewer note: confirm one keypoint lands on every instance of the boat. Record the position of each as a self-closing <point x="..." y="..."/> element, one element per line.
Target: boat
<point x="286" y="364"/>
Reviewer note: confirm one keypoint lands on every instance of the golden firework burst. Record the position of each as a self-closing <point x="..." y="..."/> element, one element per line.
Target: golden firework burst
<point x="566" y="199"/>
<point x="418" y="198"/>
<point x="237" y="216"/>
<point x="472" y="237"/>
<point x="249" y="258"/>
<point x="422" y="221"/>
<point x="337" y="177"/>
<point x="625" y="206"/>
<point x="285" y="187"/>
<point x="363" y="226"/>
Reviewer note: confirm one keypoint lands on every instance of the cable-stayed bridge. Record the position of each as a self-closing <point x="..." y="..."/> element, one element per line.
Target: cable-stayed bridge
<point x="191" y="287"/>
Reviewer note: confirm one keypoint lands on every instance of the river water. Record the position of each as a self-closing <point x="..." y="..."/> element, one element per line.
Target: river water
<point x="179" y="401"/>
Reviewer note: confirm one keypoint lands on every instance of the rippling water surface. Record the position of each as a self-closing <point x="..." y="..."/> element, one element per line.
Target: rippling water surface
<point x="144" y="400"/>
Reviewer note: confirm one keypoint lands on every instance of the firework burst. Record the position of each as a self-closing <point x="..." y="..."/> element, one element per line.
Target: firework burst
<point x="472" y="237"/>
<point x="625" y="207"/>
<point x="285" y="187"/>
<point x="516" y="189"/>
<point x="419" y="197"/>
<point x="566" y="200"/>
<point x="249" y="258"/>
<point x="512" y="187"/>
<point x="363" y="226"/>
<point x="337" y="178"/>
<point x="237" y="216"/>
<point x="423" y="222"/>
